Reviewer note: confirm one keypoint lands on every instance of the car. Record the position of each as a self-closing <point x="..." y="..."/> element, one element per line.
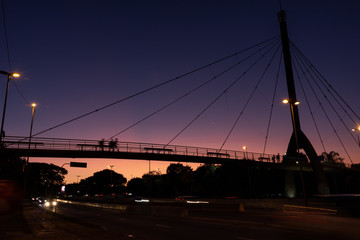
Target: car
<point x="50" y="203"/>
<point x="46" y="202"/>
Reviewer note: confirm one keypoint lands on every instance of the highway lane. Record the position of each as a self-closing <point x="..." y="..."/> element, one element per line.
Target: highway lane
<point x="84" y="222"/>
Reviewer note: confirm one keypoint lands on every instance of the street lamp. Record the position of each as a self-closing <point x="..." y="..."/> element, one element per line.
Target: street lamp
<point x="9" y="76"/>
<point x="357" y="130"/>
<point x="287" y="101"/>
<point x="292" y="104"/>
<point x="245" y="149"/>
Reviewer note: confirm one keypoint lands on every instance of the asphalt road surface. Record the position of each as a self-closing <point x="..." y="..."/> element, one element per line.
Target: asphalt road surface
<point x="82" y="222"/>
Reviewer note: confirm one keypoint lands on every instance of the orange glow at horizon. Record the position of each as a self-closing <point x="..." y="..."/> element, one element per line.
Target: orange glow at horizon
<point x="128" y="168"/>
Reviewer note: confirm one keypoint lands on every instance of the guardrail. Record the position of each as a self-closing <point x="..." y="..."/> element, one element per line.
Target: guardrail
<point x="16" y="142"/>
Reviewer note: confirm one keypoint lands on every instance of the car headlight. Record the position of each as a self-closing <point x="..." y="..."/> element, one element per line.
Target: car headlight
<point x="54" y="203"/>
<point x="47" y="204"/>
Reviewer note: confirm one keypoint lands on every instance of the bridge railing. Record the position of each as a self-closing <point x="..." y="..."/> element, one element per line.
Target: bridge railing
<point x="38" y="143"/>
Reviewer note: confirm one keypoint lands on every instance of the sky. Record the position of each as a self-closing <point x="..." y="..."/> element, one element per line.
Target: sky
<point x="77" y="56"/>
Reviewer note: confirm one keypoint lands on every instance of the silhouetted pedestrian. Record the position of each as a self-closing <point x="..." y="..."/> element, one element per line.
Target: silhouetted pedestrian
<point x="113" y="144"/>
<point x="102" y="144"/>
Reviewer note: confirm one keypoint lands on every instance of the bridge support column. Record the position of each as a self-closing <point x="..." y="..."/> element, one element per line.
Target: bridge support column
<point x="298" y="139"/>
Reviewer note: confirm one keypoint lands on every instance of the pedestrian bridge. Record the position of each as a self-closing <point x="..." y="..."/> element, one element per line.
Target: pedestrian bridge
<point x="80" y="148"/>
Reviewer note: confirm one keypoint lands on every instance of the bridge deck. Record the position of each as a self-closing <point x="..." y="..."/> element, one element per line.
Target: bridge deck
<point x="58" y="147"/>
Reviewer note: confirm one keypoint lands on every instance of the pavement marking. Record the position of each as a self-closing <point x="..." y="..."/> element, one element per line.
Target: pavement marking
<point x="311" y="208"/>
<point x="162" y="226"/>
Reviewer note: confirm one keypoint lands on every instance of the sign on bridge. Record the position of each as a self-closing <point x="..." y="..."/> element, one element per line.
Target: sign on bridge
<point x="78" y="164"/>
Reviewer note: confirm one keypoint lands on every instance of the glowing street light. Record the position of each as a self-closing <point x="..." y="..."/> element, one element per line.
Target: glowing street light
<point x="245" y="149"/>
<point x="9" y="76"/>
<point x="292" y="104"/>
<point x="357" y="130"/>
<point x="287" y="101"/>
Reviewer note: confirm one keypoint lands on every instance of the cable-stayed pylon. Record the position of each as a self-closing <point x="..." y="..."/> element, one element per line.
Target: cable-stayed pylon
<point x="298" y="139"/>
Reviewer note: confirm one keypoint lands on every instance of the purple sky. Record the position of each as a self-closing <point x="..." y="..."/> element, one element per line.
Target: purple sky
<point x="77" y="56"/>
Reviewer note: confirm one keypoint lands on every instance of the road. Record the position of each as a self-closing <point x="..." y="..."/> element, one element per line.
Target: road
<point x="83" y="222"/>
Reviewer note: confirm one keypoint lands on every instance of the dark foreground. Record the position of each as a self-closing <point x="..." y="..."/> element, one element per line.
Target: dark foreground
<point x="82" y="222"/>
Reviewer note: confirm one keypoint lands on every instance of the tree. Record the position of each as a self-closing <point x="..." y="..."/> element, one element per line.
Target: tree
<point x="155" y="184"/>
<point x="105" y="182"/>
<point x="44" y="179"/>
<point x="205" y="180"/>
<point x="333" y="158"/>
<point x="137" y="187"/>
<point x="179" y="179"/>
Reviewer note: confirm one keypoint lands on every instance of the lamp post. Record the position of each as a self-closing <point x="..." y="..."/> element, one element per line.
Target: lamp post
<point x="292" y="104"/>
<point x="357" y="130"/>
<point x="33" y="105"/>
<point x="111" y="167"/>
<point x="9" y="76"/>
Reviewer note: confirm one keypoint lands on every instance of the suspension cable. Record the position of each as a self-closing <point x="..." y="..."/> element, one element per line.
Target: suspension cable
<point x="325" y="82"/>
<point x="307" y="100"/>
<point x="328" y="118"/>
<point x="250" y="97"/>
<point x="331" y="105"/>
<point x="21" y="94"/>
<point x="191" y="91"/>
<point x="218" y="97"/>
<point x="272" y="103"/>
<point x="151" y="88"/>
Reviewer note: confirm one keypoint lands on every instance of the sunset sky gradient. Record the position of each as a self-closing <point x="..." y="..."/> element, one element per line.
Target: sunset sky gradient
<point x="77" y="56"/>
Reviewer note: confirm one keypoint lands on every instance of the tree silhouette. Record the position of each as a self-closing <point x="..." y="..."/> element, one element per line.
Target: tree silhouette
<point x="155" y="184"/>
<point x="205" y="184"/>
<point x="45" y="179"/>
<point x="137" y="187"/>
<point x="179" y="179"/>
<point x="104" y="182"/>
<point x="332" y="157"/>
